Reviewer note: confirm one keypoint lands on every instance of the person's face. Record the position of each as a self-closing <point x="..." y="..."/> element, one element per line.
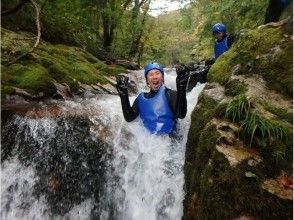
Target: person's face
<point x="154" y="79"/>
<point x="218" y="35"/>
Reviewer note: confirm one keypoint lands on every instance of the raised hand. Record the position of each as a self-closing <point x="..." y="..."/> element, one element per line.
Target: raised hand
<point x="183" y="74"/>
<point x="122" y="85"/>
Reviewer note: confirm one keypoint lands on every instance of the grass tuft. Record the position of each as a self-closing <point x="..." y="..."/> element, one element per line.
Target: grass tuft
<point x="238" y="108"/>
<point x="262" y="128"/>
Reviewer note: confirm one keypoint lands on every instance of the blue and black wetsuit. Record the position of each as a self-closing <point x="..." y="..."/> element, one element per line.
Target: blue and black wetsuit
<point x="172" y="105"/>
<point x="223" y="45"/>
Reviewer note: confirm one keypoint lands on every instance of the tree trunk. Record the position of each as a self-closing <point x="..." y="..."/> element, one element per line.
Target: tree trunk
<point x="137" y="36"/>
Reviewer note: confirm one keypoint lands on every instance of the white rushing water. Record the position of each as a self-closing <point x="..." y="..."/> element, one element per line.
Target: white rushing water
<point x="148" y="168"/>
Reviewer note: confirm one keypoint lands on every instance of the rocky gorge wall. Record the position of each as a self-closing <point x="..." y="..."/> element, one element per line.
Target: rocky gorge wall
<point x="239" y="152"/>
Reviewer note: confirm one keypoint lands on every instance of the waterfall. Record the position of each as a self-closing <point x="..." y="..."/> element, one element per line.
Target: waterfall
<point x="85" y="162"/>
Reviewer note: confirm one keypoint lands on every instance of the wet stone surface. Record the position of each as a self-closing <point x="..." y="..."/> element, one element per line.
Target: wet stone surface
<point x="71" y="165"/>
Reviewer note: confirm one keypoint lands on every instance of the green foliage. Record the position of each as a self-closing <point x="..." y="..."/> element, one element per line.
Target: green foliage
<point x="279" y="155"/>
<point x="238" y="108"/>
<point x="167" y="41"/>
<point x="254" y="125"/>
<point x="220" y="110"/>
<point x="119" y="29"/>
<point x="236" y="15"/>
<point x="93" y="25"/>
<point x="262" y="128"/>
<point x="235" y="87"/>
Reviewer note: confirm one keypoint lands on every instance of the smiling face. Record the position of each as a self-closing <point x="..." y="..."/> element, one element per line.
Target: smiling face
<point x="154" y="79"/>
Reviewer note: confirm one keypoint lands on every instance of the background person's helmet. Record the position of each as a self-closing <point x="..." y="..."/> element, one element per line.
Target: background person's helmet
<point x="219" y="27"/>
<point x="152" y="66"/>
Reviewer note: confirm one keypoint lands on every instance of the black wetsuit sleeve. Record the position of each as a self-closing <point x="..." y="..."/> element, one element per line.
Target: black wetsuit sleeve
<point x="130" y="113"/>
<point x="178" y="101"/>
<point x="230" y="40"/>
<point x="181" y="110"/>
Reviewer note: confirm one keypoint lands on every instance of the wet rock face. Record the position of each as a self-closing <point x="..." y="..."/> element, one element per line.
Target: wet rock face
<point x="231" y="146"/>
<point x="71" y="165"/>
<point x="222" y="165"/>
<point x="279" y="188"/>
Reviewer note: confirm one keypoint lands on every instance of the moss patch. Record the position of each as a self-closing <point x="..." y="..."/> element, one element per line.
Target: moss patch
<point x="220" y="71"/>
<point x="281" y="113"/>
<point x="278" y="69"/>
<point x="200" y="116"/>
<point x="226" y="193"/>
<point x="7" y="90"/>
<point x="235" y="87"/>
<point x="34" y="78"/>
<point x="48" y="62"/>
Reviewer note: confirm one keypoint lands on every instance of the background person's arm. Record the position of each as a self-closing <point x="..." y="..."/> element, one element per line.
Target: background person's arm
<point x="181" y="82"/>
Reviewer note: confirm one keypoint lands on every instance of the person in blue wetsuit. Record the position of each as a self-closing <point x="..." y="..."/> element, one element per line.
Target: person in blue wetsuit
<point x="160" y="107"/>
<point x="223" y="41"/>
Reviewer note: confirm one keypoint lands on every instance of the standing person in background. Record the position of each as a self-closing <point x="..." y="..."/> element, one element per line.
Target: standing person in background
<point x="274" y="10"/>
<point x="160" y="107"/>
<point x="223" y="41"/>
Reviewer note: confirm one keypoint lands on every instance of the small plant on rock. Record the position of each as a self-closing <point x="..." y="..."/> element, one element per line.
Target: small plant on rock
<point x="238" y="108"/>
<point x="262" y="128"/>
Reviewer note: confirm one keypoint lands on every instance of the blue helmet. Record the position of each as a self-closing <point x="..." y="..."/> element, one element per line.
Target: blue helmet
<point x="152" y="66"/>
<point x="219" y="27"/>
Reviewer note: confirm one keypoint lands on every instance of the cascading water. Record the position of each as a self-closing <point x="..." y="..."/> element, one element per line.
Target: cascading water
<point x="85" y="162"/>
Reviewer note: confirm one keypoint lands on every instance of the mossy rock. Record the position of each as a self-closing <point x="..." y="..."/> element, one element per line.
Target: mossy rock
<point x="225" y="192"/>
<point x="255" y="52"/>
<point x="34" y="78"/>
<point x="47" y="63"/>
<point x="235" y="87"/>
<point x="201" y="115"/>
<point x="215" y="189"/>
<point x="278" y="69"/>
<point x="7" y="90"/>
<point x="280" y="113"/>
<point x="220" y="71"/>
